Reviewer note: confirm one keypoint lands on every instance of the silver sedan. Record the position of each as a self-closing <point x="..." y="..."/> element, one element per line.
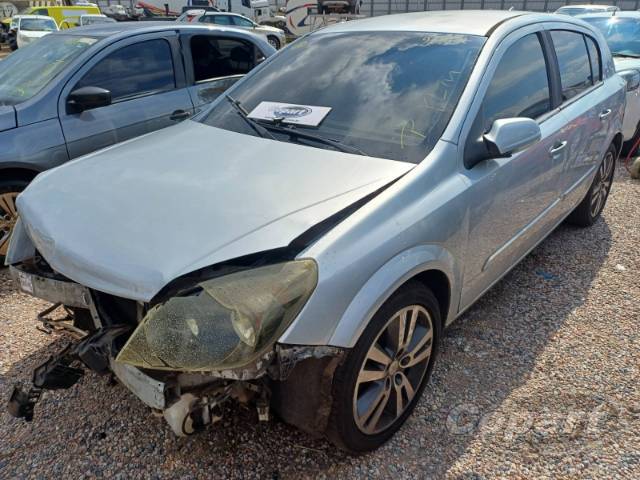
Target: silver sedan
<point x="301" y="245"/>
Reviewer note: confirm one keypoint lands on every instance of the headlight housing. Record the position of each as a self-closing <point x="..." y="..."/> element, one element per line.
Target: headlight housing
<point x="229" y="322"/>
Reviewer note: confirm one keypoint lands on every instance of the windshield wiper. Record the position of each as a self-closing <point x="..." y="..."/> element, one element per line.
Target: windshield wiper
<point x="627" y="55"/>
<point x="294" y="132"/>
<point x="259" y="129"/>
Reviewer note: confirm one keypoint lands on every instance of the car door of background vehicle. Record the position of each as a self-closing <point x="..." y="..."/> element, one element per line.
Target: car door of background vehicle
<point x="587" y="107"/>
<point x="146" y="80"/>
<point x="214" y="62"/>
<point x="511" y="200"/>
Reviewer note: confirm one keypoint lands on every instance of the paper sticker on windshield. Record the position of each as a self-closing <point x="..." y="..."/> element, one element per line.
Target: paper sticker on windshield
<point x="289" y="113"/>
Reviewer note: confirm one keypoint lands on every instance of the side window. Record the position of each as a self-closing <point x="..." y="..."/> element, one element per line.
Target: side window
<point x="215" y="57"/>
<point x="41" y="11"/>
<point x="594" y="57"/>
<point x="222" y="19"/>
<point x="142" y="68"/>
<point x="520" y="84"/>
<point x="242" y="22"/>
<point x="573" y="60"/>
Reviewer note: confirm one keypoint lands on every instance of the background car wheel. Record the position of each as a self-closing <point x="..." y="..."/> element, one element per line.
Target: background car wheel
<point x="588" y="211"/>
<point x="274" y="42"/>
<point x="382" y="378"/>
<point x="9" y="190"/>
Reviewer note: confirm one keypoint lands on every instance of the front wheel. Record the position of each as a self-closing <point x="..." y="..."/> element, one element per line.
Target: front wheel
<point x="274" y="42"/>
<point x="590" y="208"/>
<point x="9" y="191"/>
<point x="381" y="380"/>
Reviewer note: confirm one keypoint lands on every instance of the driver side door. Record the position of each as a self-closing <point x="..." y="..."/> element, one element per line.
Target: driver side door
<point x="147" y="85"/>
<point x="513" y="199"/>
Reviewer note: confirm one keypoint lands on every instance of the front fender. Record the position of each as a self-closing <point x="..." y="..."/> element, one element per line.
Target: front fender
<point x="387" y="280"/>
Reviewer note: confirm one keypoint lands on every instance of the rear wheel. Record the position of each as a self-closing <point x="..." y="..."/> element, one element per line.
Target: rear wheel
<point x="9" y="190"/>
<point x="588" y="211"/>
<point x="382" y="378"/>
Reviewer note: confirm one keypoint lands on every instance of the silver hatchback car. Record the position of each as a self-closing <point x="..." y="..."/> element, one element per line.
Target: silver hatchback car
<point x="303" y="243"/>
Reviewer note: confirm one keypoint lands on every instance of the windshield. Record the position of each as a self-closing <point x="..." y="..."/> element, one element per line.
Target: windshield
<point x="390" y="94"/>
<point x="622" y="33"/>
<point x="29" y="69"/>
<point x="38" y="25"/>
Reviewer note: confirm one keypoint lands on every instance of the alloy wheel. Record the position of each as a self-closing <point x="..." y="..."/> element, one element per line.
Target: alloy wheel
<point x="8" y="219"/>
<point x="393" y="369"/>
<point x="601" y="188"/>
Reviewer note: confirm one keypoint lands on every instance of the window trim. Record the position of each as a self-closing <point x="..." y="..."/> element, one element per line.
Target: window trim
<point x="599" y="52"/>
<point x="552" y="84"/>
<point x="188" y="56"/>
<point x="135" y="96"/>
<point x="586" y="91"/>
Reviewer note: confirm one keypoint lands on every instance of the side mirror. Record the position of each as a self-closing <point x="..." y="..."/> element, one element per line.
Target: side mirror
<point x="87" y="98"/>
<point x="511" y="135"/>
<point x="632" y="77"/>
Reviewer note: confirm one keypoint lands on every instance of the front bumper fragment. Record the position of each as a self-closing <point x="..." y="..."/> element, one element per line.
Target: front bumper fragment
<point x="65" y="292"/>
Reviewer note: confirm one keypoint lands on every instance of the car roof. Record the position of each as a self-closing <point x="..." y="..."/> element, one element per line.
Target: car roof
<point x="125" y="29"/>
<point x="32" y="16"/>
<point x="470" y="22"/>
<point x="627" y="14"/>
<point x="209" y="12"/>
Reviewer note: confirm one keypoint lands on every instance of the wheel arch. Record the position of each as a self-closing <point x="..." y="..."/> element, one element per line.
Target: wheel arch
<point x="617" y="141"/>
<point x="431" y="265"/>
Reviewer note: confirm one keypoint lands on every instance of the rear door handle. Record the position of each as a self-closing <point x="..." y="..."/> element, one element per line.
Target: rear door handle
<point x="605" y="113"/>
<point x="559" y="146"/>
<point x="180" y="115"/>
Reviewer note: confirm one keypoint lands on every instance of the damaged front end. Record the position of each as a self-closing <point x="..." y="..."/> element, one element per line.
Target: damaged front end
<point x="205" y="343"/>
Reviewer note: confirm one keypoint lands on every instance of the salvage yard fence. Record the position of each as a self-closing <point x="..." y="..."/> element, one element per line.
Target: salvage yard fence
<point x="372" y="8"/>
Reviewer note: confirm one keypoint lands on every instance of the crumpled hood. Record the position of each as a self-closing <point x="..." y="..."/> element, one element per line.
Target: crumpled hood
<point x="129" y="219"/>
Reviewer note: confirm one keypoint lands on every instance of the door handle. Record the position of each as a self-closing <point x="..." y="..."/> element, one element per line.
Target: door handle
<point x="559" y="146"/>
<point x="180" y="115"/>
<point x="605" y="113"/>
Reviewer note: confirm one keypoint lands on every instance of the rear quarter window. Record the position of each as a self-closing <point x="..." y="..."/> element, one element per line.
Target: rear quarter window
<point x="573" y="61"/>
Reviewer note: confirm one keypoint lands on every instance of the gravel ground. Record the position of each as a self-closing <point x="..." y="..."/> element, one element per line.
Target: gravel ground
<point x="539" y="379"/>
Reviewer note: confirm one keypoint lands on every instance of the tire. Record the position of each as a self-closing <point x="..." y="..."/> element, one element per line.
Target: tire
<point x="9" y="190"/>
<point x="590" y="208"/>
<point x="357" y="425"/>
<point x="274" y="42"/>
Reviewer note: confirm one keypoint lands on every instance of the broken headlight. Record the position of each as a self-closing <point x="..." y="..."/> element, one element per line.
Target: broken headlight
<point x="229" y="322"/>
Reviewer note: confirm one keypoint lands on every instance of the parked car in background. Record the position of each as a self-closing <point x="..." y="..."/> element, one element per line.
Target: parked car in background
<point x="27" y="28"/>
<point x="303" y="243"/>
<point x="621" y="30"/>
<point x="574" y="10"/>
<point x="88" y="88"/>
<point x="116" y="11"/>
<point x="85" y="20"/>
<point x="275" y="36"/>
<point x="62" y="12"/>
<point x="189" y="13"/>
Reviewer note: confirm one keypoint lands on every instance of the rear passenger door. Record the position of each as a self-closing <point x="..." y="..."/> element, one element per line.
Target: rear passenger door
<point x="587" y="107"/>
<point x="215" y="62"/>
<point x="146" y="79"/>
